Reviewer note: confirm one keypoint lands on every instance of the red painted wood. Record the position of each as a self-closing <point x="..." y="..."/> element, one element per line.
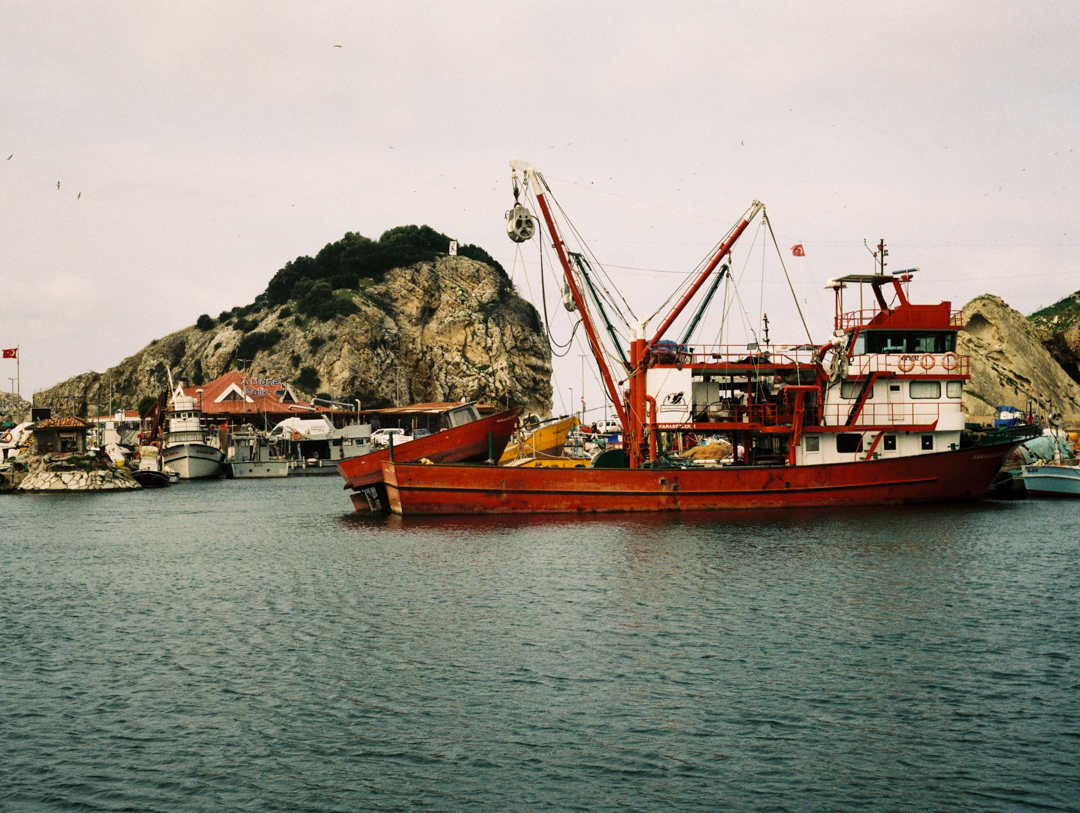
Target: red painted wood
<point x="464" y="489"/>
<point x="462" y="443"/>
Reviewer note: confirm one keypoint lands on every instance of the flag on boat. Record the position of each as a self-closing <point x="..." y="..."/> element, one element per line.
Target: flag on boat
<point x="797" y="250"/>
<point x="13" y="353"/>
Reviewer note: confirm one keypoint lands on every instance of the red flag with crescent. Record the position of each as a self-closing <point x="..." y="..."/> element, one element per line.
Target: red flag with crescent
<point x="13" y="353"/>
<point x="797" y="250"/>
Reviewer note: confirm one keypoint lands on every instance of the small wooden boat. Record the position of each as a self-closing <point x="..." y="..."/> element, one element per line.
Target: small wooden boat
<point x="467" y="438"/>
<point x="540" y="440"/>
<point x="1059" y="479"/>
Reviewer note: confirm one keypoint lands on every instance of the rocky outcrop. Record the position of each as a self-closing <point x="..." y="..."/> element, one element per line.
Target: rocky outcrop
<point x="13" y="408"/>
<point x="1009" y="364"/>
<point x="1058" y="328"/>
<point x="445" y="330"/>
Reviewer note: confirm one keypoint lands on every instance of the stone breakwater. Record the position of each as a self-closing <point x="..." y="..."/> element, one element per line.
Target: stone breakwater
<point x="75" y="474"/>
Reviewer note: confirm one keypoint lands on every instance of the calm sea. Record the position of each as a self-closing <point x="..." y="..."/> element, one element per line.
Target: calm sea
<point x="252" y="646"/>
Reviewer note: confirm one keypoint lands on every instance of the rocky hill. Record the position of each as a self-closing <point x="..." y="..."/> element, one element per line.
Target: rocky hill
<point x="438" y="330"/>
<point x="1010" y="364"/>
<point x="13" y="408"/>
<point x="1058" y="328"/>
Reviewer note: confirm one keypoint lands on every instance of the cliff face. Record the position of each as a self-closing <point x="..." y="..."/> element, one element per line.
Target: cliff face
<point x="13" y="408"/>
<point x="1058" y="328"/>
<point x="1009" y="363"/>
<point x="439" y="331"/>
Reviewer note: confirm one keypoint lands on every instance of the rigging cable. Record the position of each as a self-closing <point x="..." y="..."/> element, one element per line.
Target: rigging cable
<point x="552" y="344"/>
<point x="765" y="217"/>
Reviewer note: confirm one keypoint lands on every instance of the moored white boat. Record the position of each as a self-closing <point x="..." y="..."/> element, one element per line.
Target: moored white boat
<point x="187" y="449"/>
<point x="251" y="455"/>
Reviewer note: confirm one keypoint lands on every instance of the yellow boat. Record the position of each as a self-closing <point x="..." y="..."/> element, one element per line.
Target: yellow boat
<point x="544" y="442"/>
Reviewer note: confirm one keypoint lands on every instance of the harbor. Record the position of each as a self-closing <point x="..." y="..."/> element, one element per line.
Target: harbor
<point x="621" y="408"/>
<point x="259" y="640"/>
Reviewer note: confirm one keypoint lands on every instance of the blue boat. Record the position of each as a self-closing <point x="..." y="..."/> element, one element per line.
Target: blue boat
<point x="1061" y="479"/>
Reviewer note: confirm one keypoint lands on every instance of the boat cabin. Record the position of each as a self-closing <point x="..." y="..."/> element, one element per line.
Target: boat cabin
<point x="889" y="383"/>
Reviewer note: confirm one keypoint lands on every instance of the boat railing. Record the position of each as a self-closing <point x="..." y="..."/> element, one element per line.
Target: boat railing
<point x="907" y="364"/>
<point x="867" y="317"/>
<point x="910" y="413"/>
<point x="767" y="355"/>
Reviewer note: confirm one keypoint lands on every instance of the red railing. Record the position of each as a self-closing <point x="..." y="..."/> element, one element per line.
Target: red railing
<point x="904" y="364"/>
<point x="911" y="413"/>
<point x="910" y="317"/>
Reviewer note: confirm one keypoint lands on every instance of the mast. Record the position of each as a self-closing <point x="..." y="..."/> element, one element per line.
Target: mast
<point x="538" y="186"/>
<point x="721" y="252"/>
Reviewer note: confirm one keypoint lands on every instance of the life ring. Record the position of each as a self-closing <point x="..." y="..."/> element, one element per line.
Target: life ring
<point x="927" y="361"/>
<point x="948" y="361"/>
<point x="6" y="438"/>
<point x="906" y="364"/>
<point x="156" y="443"/>
<point x="295" y="435"/>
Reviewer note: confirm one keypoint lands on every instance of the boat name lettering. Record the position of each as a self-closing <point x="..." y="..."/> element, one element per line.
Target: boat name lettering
<point x="984" y="456"/>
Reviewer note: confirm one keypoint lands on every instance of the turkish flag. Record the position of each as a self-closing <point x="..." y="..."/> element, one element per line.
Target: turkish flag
<point x="798" y="251"/>
<point x="13" y="353"/>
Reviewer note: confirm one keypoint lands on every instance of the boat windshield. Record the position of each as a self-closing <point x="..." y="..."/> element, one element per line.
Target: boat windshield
<point x="904" y="341"/>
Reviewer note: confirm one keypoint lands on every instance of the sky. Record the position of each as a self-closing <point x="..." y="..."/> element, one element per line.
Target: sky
<point x="163" y="160"/>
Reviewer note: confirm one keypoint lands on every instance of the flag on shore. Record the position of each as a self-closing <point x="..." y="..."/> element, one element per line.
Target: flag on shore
<point x="12" y="353"/>
<point x="797" y="250"/>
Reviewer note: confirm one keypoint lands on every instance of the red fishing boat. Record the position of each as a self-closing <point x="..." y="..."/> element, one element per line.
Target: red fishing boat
<point x="873" y="416"/>
<point x="464" y="436"/>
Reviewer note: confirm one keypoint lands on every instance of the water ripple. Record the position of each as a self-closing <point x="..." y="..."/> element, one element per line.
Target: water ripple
<point x="253" y="646"/>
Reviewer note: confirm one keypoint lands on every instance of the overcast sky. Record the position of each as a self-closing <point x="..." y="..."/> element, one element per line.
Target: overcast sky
<point x="199" y="147"/>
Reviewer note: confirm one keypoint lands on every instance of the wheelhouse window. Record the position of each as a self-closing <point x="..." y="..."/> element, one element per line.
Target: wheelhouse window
<point x="925" y="389"/>
<point x="812" y="443"/>
<point x="848" y="443"/>
<point x="907" y="341"/>
<point x="888" y="443"/>
<point x="928" y="443"/>
<point x="954" y="389"/>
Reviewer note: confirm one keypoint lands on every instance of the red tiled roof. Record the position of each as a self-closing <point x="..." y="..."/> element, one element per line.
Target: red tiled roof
<point x="63" y="423"/>
<point x="256" y="395"/>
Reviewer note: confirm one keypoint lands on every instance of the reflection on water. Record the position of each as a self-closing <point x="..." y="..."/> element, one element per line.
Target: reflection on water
<point x="246" y="645"/>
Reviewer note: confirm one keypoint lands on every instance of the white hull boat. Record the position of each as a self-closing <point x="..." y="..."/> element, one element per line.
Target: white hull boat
<point x="193" y="461"/>
<point x="251" y="455"/>
<point x="188" y="448"/>
<point x="1053" y="479"/>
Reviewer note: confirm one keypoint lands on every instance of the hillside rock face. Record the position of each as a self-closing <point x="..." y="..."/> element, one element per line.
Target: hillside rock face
<point x="1009" y="364"/>
<point x="447" y="330"/>
<point x="13" y="408"/>
<point x="1058" y="328"/>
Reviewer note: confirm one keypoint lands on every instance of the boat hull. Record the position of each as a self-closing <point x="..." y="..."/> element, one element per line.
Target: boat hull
<point x="193" y="461"/>
<point x="1052" y="481"/>
<point x="469" y="442"/>
<point x="151" y="478"/>
<point x="458" y="489"/>
<point x="256" y="469"/>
